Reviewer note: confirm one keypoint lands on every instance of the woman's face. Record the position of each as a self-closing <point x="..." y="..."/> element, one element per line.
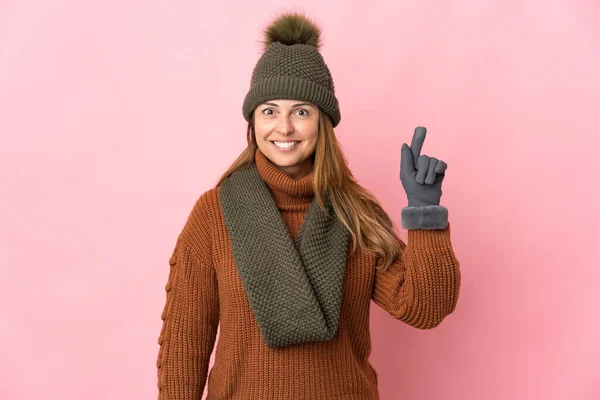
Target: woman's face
<point x="281" y="123"/>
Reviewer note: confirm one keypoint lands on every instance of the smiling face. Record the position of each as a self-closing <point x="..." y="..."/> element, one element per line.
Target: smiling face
<point x="286" y="133"/>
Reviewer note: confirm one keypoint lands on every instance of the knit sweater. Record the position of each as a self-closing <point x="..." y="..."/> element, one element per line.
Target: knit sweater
<point x="204" y="290"/>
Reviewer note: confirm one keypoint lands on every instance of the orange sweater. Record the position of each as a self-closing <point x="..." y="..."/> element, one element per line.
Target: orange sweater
<point x="203" y="289"/>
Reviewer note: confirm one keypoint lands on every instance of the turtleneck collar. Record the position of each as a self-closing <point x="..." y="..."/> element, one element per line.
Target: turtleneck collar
<point x="289" y="193"/>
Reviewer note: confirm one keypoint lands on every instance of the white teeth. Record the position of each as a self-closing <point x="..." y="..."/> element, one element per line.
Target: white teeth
<point x="285" y="145"/>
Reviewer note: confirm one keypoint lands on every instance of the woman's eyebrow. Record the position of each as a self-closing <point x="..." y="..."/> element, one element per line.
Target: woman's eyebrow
<point x="294" y="105"/>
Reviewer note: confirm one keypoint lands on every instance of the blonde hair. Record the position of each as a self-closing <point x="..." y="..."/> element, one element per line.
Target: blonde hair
<point x="370" y="227"/>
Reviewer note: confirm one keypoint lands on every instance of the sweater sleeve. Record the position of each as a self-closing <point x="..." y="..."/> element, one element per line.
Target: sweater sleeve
<point x="190" y="321"/>
<point x="421" y="286"/>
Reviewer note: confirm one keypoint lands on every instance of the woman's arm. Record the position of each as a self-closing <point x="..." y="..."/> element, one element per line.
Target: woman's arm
<point x="422" y="286"/>
<point x="190" y="317"/>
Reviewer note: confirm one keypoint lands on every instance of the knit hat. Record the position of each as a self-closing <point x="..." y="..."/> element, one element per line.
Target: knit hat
<point x="291" y="67"/>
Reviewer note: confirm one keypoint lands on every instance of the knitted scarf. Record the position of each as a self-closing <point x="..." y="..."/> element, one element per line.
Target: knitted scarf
<point x="293" y="286"/>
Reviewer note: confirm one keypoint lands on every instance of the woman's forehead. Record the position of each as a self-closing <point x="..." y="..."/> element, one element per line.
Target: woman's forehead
<point x="291" y="103"/>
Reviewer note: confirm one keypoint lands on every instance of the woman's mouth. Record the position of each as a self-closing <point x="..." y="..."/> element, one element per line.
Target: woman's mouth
<point x="285" y="145"/>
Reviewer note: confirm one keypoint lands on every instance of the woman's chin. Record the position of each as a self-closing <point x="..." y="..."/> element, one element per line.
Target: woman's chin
<point x="284" y="161"/>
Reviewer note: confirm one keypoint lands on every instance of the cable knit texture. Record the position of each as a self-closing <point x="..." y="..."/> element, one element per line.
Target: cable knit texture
<point x="204" y="289"/>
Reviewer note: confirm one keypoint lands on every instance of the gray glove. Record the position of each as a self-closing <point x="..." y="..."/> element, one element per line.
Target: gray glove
<point x="422" y="178"/>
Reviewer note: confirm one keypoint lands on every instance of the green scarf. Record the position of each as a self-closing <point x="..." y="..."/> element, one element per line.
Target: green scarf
<point x="293" y="286"/>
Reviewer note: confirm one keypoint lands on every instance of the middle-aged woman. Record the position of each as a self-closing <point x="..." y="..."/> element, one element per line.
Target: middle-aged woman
<point x="287" y="251"/>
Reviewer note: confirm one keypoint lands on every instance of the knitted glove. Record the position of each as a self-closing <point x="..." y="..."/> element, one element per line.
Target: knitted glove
<point x="422" y="178"/>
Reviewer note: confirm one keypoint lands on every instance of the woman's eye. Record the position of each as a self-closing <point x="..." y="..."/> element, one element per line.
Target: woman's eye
<point x="303" y="111"/>
<point x="265" y="111"/>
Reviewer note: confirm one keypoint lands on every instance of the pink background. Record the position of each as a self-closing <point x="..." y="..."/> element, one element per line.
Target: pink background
<point x="115" y="116"/>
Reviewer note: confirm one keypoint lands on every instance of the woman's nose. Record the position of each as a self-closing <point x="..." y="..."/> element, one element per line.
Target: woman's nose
<point x="284" y="125"/>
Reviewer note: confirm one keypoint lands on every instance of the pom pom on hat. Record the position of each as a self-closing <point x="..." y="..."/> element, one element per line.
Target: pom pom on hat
<point x="293" y="28"/>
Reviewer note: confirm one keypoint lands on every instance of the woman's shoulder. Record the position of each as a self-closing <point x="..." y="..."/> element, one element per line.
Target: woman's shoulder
<point x="206" y="207"/>
<point x="204" y="216"/>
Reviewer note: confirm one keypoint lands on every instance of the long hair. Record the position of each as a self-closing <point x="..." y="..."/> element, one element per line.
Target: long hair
<point x="371" y="228"/>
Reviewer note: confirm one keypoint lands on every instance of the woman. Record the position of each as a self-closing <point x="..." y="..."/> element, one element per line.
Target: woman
<point x="287" y="251"/>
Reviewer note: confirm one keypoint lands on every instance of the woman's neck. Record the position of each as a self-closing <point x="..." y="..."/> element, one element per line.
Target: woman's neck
<point x="285" y="189"/>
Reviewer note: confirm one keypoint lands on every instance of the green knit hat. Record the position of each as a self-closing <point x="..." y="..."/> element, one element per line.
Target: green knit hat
<point x="291" y="67"/>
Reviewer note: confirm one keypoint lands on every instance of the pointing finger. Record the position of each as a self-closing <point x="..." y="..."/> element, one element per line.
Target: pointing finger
<point x="417" y="142"/>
